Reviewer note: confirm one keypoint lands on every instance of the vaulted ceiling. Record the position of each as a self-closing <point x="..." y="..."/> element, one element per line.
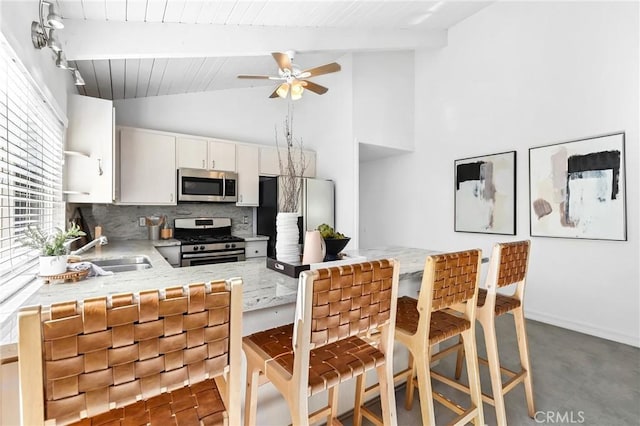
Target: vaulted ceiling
<point x="138" y="48"/>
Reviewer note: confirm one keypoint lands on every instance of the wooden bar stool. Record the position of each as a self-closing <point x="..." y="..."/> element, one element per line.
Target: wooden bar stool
<point x="509" y="264"/>
<point x="449" y="280"/>
<point x="157" y="357"/>
<point x="324" y="346"/>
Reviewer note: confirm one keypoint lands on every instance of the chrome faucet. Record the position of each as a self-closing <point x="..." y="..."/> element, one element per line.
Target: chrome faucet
<point x="102" y="240"/>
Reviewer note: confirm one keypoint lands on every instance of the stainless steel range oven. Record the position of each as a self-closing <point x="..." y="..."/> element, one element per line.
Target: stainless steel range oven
<point x="207" y="240"/>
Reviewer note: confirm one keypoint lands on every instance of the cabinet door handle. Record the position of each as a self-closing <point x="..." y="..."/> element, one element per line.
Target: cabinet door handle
<point x="240" y="197"/>
<point x="100" y="172"/>
<point x="213" y="164"/>
<point x="203" y="164"/>
<point x="171" y="198"/>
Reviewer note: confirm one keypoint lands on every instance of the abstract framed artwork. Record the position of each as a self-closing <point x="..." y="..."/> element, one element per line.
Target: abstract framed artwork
<point x="577" y="189"/>
<point x="485" y="194"/>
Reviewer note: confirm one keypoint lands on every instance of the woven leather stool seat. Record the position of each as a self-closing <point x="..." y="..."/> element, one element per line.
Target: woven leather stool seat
<point x="159" y="357"/>
<point x="504" y="303"/>
<point x="329" y="365"/>
<point x="443" y="324"/>
<point x="325" y="346"/>
<point x="187" y="406"/>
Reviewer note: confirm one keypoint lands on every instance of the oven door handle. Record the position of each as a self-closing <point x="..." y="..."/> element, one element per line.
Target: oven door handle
<point x="211" y="254"/>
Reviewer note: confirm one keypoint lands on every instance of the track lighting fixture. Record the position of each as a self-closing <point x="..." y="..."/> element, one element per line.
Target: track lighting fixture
<point x="43" y="34"/>
<point x="79" y="81"/>
<point x="61" y="61"/>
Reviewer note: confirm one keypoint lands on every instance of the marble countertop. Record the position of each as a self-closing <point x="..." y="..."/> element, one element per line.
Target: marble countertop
<point x="263" y="288"/>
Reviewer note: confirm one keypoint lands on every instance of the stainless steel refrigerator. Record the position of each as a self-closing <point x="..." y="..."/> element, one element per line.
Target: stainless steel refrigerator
<point x="316" y="206"/>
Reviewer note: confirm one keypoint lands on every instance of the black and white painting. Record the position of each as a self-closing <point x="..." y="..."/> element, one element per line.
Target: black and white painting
<point x="577" y="189"/>
<point x="485" y="194"/>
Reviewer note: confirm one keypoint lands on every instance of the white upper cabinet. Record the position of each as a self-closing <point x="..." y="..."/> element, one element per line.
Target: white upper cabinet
<point x="147" y="167"/>
<point x="207" y="154"/>
<point x="191" y="153"/>
<point x="270" y="164"/>
<point x="222" y="155"/>
<point x="89" y="150"/>
<point x="248" y="177"/>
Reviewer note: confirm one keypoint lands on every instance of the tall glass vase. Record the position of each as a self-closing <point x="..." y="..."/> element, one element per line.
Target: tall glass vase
<point x="287" y="236"/>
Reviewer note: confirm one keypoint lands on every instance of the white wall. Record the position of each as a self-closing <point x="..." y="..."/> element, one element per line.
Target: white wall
<point x="514" y="76"/>
<point x="323" y="122"/>
<point x="383" y="98"/>
<point x="15" y="24"/>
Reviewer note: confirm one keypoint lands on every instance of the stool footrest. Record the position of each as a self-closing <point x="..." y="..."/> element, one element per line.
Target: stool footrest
<point x="319" y="414"/>
<point x="373" y="418"/>
<point x="459" y="386"/>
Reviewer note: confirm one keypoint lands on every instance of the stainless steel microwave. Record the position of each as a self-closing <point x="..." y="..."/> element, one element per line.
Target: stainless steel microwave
<point x="207" y="186"/>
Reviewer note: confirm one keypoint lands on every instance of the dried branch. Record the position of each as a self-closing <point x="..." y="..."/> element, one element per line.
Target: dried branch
<point x="292" y="167"/>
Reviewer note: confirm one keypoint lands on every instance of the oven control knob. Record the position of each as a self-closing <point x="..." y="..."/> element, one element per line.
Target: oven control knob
<point x="195" y="247"/>
<point x="227" y="246"/>
<point x="201" y="247"/>
<point x="233" y="246"/>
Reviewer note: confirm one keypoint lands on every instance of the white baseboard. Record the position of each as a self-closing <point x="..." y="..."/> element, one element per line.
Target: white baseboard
<point x="582" y="327"/>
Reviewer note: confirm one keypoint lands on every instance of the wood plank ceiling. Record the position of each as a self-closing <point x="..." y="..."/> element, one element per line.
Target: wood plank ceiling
<point x="135" y="77"/>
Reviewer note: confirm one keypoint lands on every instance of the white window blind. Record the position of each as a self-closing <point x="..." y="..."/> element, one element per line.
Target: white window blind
<point x="31" y="167"/>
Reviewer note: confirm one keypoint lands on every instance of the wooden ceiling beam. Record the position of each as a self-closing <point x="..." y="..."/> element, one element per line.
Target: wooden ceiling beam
<point x="86" y="39"/>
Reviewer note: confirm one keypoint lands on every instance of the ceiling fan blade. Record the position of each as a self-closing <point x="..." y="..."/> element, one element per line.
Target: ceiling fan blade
<point x="315" y="88"/>
<point x="322" y="69"/>
<point x="255" y="77"/>
<point x="275" y="93"/>
<point x="283" y="60"/>
<point x="283" y="89"/>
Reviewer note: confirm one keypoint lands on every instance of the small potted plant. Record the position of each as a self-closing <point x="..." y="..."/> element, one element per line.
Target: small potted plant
<point x="334" y="241"/>
<point x="53" y="247"/>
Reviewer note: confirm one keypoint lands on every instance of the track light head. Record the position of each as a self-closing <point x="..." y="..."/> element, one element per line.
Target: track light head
<point x="52" y="41"/>
<point x="61" y="61"/>
<point x="79" y="81"/>
<point x="54" y="20"/>
<point x="38" y="36"/>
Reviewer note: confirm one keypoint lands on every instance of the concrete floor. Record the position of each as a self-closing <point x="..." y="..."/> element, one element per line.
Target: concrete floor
<point x="577" y="379"/>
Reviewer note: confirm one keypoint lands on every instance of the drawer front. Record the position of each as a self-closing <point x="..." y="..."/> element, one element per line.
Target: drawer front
<point x="255" y="249"/>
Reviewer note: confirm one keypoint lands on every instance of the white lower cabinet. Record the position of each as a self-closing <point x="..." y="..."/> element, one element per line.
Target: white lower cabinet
<point x="255" y="249"/>
<point x="147" y="167"/>
<point x="247" y="160"/>
<point x="171" y="254"/>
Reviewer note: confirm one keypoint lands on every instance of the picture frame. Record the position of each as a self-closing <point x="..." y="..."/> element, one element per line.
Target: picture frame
<point x="485" y="194"/>
<point x="577" y="189"/>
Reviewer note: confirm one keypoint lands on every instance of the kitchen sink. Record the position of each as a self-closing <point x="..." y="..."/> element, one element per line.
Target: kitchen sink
<point x="124" y="264"/>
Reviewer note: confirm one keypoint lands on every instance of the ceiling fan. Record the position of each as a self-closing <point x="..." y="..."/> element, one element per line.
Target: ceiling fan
<point x="293" y="79"/>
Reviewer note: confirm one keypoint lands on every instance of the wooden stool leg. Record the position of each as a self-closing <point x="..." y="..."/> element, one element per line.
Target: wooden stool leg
<point x="459" y="360"/>
<point x="408" y="398"/>
<point x="361" y="384"/>
<point x="421" y="362"/>
<point x="469" y="340"/>
<point x="493" y="359"/>
<point x="523" y="346"/>
<point x="251" y="397"/>
<point x="387" y="394"/>
<point x="333" y="404"/>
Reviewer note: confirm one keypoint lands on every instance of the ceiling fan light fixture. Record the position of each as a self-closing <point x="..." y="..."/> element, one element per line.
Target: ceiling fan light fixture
<point x="296" y="90"/>
<point x="283" y="90"/>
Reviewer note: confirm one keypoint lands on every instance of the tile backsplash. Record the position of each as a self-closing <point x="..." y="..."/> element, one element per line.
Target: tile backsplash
<point x="121" y="222"/>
